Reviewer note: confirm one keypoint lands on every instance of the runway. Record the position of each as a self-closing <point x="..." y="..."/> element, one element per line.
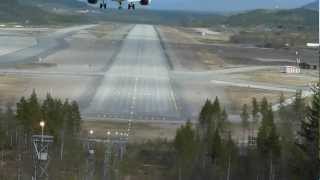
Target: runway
<point x="137" y="85"/>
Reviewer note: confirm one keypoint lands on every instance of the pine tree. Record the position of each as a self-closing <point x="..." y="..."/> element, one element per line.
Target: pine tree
<point x="285" y="126"/>
<point x="215" y="116"/>
<point x="184" y="141"/>
<point x="204" y="117"/>
<point x="76" y="117"/>
<point x="255" y="110"/>
<point x="22" y="115"/>
<point x="309" y="134"/>
<point x="224" y="120"/>
<point x="264" y="106"/>
<point x="216" y="105"/>
<point x="216" y="146"/>
<point x="2" y="131"/>
<point x="12" y="125"/>
<point x="244" y="119"/>
<point x="34" y="111"/>
<point x="268" y="142"/>
<point x="298" y="109"/>
<point x="231" y="154"/>
<point x="186" y="147"/>
<point x="268" y="139"/>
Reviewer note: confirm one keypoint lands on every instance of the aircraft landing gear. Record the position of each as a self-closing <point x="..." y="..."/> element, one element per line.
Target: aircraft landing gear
<point x="103" y="5"/>
<point x="120" y="5"/>
<point x="131" y="6"/>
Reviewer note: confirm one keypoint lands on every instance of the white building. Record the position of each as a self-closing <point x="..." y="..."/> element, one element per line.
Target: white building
<point x="289" y="69"/>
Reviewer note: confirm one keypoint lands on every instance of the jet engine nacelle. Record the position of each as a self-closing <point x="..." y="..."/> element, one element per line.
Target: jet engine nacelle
<point x="145" y="2"/>
<point x="92" y="1"/>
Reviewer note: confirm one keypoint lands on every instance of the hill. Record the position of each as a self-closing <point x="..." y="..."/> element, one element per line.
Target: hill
<point x="312" y="6"/>
<point x="67" y="11"/>
<point x="51" y="4"/>
<point x="14" y="11"/>
<point x="298" y="19"/>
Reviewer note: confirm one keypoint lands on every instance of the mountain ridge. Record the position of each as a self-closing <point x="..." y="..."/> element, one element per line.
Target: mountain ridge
<point x="312" y="6"/>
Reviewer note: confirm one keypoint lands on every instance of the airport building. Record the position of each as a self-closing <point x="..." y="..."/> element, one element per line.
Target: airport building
<point x="290" y="69"/>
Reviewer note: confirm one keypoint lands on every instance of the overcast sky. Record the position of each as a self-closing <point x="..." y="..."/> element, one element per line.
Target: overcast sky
<point x="224" y="5"/>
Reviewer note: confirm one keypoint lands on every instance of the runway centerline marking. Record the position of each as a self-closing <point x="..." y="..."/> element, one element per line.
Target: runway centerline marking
<point x="141" y="79"/>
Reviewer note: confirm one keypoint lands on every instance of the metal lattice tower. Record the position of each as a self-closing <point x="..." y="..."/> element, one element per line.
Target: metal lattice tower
<point x="41" y="158"/>
<point x="107" y="160"/>
<point x="91" y="150"/>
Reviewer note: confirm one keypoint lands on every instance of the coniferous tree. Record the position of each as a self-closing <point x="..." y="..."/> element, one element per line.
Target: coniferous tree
<point x="244" y="120"/>
<point x="224" y="120"/>
<point x="268" y="142"/>
<point x="215" y="117"/>
<point x="268" y="139"/>
<point x="186" y="147"/>
<point x="216" y="146"/>
<point x="12" y="125"/>
<point x="34" y="111"/>
<point x="255" y="110"/>
<point x="231" y="152"/>
<point x="309" y="141"/>
<point x="285" y="124"/>
<point x="298" y="109"/>
<point x="22" y="115"/>
<point x="255" y="116"/>
<point x="76" y="117"/>
<point x="2" y="132"/>
<point x="204" y="117"/>
<point x="264" y="106"/>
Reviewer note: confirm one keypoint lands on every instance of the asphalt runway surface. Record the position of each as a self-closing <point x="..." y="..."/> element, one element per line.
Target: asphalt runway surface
<point x="137" y="85"/>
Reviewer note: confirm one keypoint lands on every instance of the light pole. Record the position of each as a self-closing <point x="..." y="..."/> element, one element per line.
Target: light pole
<point x="42" y="124"/>
<point x="91" y="132"/>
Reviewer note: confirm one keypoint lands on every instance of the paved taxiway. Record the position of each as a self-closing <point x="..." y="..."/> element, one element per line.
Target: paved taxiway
<point x="45" y="45"/>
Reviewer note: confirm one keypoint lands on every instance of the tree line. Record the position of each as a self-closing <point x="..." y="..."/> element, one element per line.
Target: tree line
<point x="62" y="121"/>
<point x="273" y="145"/>
<point x="281" y="145"/>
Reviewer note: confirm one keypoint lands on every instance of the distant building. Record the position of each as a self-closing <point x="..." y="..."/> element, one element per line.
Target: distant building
<point x="289" y="69"/>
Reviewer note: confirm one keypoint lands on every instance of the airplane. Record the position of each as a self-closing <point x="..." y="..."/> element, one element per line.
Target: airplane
<point x="131" y="3"/>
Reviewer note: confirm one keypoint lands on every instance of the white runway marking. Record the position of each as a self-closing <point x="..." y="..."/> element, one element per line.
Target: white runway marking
<point x="141" y="78"/>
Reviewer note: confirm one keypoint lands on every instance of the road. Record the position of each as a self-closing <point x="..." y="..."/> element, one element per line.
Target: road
<point x="45" y="46"/>
<point x="137" y="85"/>
<point x="254" y="86"/>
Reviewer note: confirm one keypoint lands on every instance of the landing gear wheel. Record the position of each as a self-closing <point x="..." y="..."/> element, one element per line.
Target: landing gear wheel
<point x="131" y="6"/>
<point x="101" y="5"/>
<point x="120" y="5"/>
<point x="105" y="6"/>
